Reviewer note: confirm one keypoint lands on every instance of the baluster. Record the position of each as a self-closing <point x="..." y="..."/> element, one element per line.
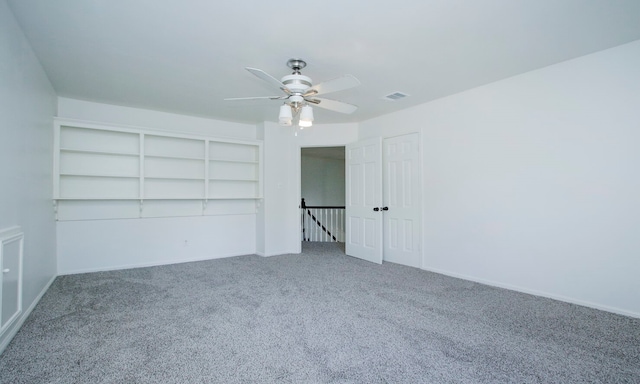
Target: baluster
<point x="314" y="212"/>
<point x="323" y="234"/>
<point x="342" y="225"/>
<point x="342" y="237"/>
<point x="328" y="214"/>
<point x="338" y="235"/>
<point x="324" y="221"/>
<point x="329" y="225"/>
<point x="312" y="225"/>
<point x="338" y="224"/>
<point x="333" y="225"/>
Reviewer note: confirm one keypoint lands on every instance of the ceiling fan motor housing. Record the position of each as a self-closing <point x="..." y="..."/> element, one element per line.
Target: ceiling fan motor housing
<point x="297" y="83"/>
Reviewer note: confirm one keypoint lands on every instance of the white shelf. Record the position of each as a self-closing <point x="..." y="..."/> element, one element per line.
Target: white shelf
<point x="72" y="150"/>
<point x="233" y="198"/>
<point x="98" y="175"/>
<point x="225" y="179"/>
<point x="176" y="157"/>
<point x="173" y="178"/>
<point x="235" y="161"/>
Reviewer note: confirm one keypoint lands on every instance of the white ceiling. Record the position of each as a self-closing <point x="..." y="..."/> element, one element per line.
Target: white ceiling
<point x="186" y="56"/>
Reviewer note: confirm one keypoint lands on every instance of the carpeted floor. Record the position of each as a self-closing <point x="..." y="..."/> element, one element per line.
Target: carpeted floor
<point x="319" y="317"/>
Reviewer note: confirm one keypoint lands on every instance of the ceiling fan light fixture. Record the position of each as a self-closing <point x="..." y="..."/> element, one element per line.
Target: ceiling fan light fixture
<point x="285" y="116"/>
<point x="306" y="116"/>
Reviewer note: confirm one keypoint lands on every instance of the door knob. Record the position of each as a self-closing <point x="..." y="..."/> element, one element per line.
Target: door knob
<point x="376" y="209"/>
<point x="385" y="208"/>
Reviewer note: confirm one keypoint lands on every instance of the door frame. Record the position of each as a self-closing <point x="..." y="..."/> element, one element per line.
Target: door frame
<point x="298" y="172"/>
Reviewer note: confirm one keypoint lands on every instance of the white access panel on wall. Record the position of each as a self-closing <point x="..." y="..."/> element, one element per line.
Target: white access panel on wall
<point x="11" y="245"/>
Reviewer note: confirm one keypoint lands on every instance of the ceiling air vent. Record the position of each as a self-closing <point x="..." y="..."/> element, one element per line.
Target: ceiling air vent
<point x="395" y="96"/>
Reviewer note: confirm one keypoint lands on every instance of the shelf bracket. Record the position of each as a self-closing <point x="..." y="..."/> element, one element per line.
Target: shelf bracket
<point x="141" y="207"/>
<point x="55" y="208"/>
<point x="204" y="205"/>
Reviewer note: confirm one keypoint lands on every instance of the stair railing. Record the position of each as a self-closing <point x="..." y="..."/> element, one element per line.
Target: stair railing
<point x="322" y="223"/>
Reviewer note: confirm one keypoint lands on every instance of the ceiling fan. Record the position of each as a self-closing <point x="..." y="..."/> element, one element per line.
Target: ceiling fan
<point x="300" y="93"/>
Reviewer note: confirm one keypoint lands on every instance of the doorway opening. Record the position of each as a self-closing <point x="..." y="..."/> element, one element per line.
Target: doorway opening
<point x="322" y="183"/>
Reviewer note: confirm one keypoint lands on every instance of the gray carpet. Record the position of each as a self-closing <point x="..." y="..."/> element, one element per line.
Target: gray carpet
<point x="319" y="317"/>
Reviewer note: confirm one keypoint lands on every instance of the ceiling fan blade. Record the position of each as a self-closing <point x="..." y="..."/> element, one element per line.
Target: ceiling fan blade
<point x="267" y="77"/>
<point x="257" y="98"/>
<point x="333" y="105"/>
<point x="337" y="84"/>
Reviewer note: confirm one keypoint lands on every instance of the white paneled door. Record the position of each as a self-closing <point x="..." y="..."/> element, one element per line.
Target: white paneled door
<point x="383" y="211"/>
<point x="401" y="196"/>
<point x="363" y="200"/>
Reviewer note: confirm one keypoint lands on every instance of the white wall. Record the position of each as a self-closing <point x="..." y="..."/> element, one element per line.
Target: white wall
<point x="323" y="181"/>
<point x="27" y="106"/>
<point x="279" y="216"/>
<point x="94" y="245"/>
<point x="87" y="246"/>
<point x="274" y="214"/>
<point x="532" y="182"/>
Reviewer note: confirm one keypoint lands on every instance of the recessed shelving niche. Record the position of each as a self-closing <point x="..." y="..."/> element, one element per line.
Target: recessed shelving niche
<point x="95" y="165"/>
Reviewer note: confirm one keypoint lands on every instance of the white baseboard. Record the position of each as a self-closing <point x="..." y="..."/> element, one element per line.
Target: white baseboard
<point x="18" y="324"/>
<point x="536" y="293"/>
<point x="269" y="254"/>
<point x="278" y="253"/>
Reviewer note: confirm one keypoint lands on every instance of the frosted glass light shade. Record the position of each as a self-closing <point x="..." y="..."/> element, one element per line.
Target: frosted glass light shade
<point x="285" y="116"/>
<point x="306" y="116"/>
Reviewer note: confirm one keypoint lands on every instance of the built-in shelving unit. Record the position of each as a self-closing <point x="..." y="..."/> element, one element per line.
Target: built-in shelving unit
<point x="104" y="163"/>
